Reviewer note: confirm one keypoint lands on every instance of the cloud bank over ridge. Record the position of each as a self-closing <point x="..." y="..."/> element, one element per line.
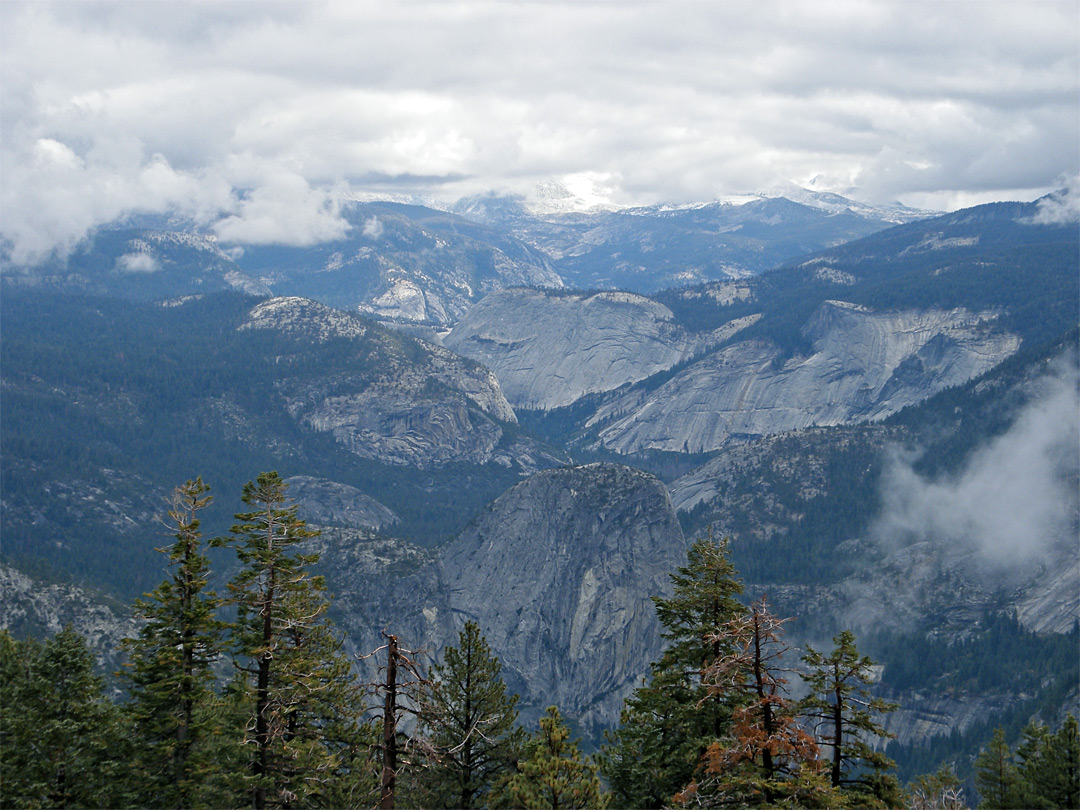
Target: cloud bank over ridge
<point x="257" y="119"/>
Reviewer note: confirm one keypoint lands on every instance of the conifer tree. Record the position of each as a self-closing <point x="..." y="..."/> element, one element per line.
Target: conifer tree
<point x="844" y="715"/>
<point x="1064" y="783"/>
<point x="1049" y="766"/>
<point x="62" y="743"/>
<point x="767" y="759"/>
<point x="227" y="782"/>
<point x="170" y="668"/>
<point x="552" y="773"/>
<point x="469" y="722"/>
<point x="669" y="723"/>
<point x="1031" y="756"/>
<point x="305" y="707"/>
<point x="996" y="777"/>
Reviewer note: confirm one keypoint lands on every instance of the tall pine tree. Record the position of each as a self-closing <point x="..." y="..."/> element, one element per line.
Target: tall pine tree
<point x="996" y="777"/>
<point x="469" y="721"/>
<point x="304" y="726"/>
<point x="553" y="773"/>
<point x="845" y="715"/>
<point x="170" y="669"/>
<point x="768" y="759"/>
<point x="669" y="723"/>
<point x="1049" y="766"/>
<point x="62" y="743"/>
<point x="1065" y="765"/>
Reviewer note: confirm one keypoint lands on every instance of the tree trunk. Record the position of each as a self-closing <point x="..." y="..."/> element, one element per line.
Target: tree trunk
<point x="838" y="731"/>
<point x="389" y="772"/>
<point x="763" y="700"/>
<point x="262" y="701"/>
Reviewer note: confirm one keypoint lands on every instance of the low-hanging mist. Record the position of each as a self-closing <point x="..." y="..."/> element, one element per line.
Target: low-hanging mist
<point x="1013" y="500"/>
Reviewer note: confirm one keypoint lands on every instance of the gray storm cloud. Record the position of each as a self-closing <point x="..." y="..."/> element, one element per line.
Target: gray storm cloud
<point x="1013" y="500"/>
<point x="252" y="117"/>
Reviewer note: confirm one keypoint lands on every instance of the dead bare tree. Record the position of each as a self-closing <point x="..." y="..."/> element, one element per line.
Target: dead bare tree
<point x="402" y="677"/>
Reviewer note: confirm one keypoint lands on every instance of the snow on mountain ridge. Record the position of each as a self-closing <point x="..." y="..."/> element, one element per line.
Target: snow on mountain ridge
<point x="586" y="194"/>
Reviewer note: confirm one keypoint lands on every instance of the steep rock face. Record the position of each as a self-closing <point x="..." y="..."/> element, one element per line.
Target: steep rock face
<point x="406" y="403"/>
<point x="548" y="350"/>
<point x="412" y="296"/>
<point x="921" y="717"/>
<point x="957" y="586"/>
<point x="866" y="365"/>
<point x="399" y="428"/>
<point x="559" y="573"/>
<point x="384" y="584"/>
<point x="794" y="461"/>
<point x="1052" y="603"/>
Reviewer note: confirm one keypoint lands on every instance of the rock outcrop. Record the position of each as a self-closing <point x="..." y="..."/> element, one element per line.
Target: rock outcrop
<point x="382" y="584"/>
<point x="402" y="263"/>
<point x="322" y="501"/>
<point x="559" y="573"/>
<point x="1051" y="604"/>
<point x="30" y="607"/>
<point x="550" y="349"/>
<point x="865" y="366"/>
<point x="401" y="401"/>
<point x="921" y="717"/>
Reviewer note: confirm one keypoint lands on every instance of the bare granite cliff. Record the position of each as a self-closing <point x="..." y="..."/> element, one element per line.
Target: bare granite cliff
<point x="550" y="349"/>
<point x="865" y="365"/>
<point x="31" y="607"/>
<point x="559" y="573"/>
<point x="322" y="501"/>
<point x="383" y="584"/>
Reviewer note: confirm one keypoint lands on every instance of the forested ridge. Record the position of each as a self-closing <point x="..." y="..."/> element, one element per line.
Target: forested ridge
<point x="149" y="393"/>
<point x="245" y="698"/>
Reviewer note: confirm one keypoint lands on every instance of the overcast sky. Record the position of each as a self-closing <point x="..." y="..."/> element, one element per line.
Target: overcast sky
<point x="255" y="117"/>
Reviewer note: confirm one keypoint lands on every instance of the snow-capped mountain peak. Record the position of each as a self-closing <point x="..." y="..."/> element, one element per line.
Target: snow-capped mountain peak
<point x="585" y="192"/>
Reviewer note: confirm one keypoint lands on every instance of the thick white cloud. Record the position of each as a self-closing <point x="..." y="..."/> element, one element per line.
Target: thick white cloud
<point x="52" y="197"/>
<point x="137" y="263"/>
<point x="1061" y="207"/>
<point x="284" y="211"/>
<point x="220" y="110"/>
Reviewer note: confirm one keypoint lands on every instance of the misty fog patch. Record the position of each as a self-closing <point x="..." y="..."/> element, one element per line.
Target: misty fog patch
<point x="1013" y="501"/>
<point x="1060" y="208"/>
<point x="373" y="229"/>
<point x="137" y="263"/>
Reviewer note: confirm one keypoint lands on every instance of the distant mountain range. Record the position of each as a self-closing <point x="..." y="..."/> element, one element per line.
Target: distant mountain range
<point x="650" y="248"/>
<point x="413" y="264"/>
